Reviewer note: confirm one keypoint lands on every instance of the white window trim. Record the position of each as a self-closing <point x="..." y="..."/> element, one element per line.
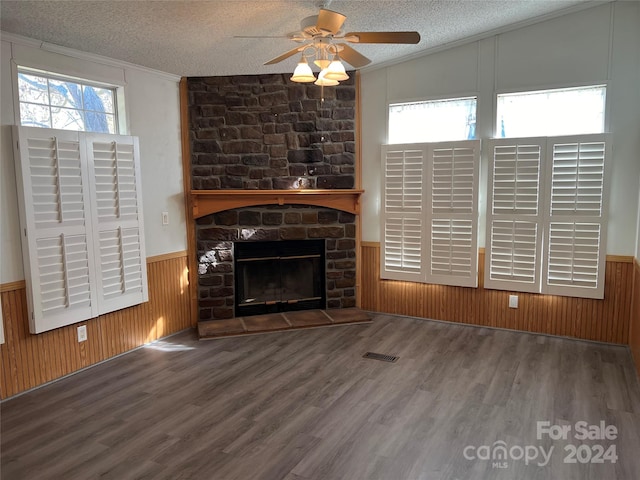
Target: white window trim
<point x="438" y="98"/>
<point x="119" y="93"/>
<point x="548" y="87"/>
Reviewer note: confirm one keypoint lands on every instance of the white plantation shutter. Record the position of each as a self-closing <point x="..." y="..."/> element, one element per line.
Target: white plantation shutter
<point x="117" y="210"/>
<point x="514" y="214"/>
<point x="57" y="231"/>
<point x="80" y="211"/>
<point x="453" y="213"/>
<point x="546" y="215"/>
<point x="402" y="212"/>
<point x="430" y="212"/>
<point x="575" y="260"/>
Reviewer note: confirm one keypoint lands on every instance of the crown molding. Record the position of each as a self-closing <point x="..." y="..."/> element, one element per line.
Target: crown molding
<point x="80" y="55"/>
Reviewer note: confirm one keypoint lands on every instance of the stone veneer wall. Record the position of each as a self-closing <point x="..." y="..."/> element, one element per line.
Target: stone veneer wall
<point x="264" y="132"/>
<point x="217" y="232"/>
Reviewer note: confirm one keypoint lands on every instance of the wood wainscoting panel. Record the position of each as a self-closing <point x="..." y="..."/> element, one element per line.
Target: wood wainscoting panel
<point x="634" y="318"/>
<point x="31" y="360"/>
<point x="601" y="320"/>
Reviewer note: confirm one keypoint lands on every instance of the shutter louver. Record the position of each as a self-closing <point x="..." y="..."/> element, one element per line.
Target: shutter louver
<point x="514" y="215"/>
<point x="453" y="213"/>
<point x="573" y="254"/>
<point x="574" y="262"/>
<point x="402" y="236"/>
<point x="516" y="179"/>
<point x="577" y="179"/>
<point x="117" y="207"/>
<point x="451" y="247"/>
<point x="58" y="245"/>
<point x="513" y="251"/>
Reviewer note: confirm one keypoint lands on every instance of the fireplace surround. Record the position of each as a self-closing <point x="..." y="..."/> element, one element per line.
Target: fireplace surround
<point x="217" y="235"/>
<point x="271" y="161"/>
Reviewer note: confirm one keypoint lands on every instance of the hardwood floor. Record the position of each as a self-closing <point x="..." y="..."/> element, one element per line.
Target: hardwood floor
<point x="306" y="405"/>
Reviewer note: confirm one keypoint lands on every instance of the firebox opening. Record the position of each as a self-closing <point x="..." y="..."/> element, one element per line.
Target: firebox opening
<point x="279" y="276"/>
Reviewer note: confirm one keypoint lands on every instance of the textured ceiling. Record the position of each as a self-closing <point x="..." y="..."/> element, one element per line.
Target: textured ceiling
<point x="196" y="38"/>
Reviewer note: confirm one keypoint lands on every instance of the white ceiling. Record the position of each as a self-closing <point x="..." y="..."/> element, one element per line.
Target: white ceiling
<point x="196" y="38"/>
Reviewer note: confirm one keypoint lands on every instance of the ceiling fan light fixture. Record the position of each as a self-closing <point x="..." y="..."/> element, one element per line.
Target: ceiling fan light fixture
<point x="325" y="82"/>
<point x="323" y="63"/>
<point x="336" y="71"/>
<point x="303" y="73"/>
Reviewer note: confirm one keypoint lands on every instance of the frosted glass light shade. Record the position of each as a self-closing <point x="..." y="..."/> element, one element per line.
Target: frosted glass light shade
<point x="324" y="81"/>
<point x="303" y="73"/>
<point x="336" y="71"/>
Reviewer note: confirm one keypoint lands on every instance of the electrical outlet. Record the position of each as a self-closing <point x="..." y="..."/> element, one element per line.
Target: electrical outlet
<point x="513" y="301"/>
<point x="165" y="218"/>
<point x="82" y="333"/>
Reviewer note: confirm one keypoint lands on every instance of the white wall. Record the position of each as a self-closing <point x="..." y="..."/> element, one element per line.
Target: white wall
<point x="152" y="114"/>
<point x="591" y="46"/>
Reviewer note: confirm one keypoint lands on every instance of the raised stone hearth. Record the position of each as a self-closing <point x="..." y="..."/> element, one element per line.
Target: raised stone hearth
<point x="280" y="321"/>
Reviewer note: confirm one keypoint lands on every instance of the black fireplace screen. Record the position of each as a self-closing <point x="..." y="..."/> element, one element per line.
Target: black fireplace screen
<point x="279" y="276"/>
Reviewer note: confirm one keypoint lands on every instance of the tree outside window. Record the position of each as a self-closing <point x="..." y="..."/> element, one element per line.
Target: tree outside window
<point x="50" y="102"/>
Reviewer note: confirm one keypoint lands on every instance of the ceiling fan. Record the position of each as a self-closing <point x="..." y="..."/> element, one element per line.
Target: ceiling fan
<point x="323" y="40"/>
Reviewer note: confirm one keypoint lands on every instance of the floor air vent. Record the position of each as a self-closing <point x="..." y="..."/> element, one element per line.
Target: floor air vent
<point x="380" y="356"/>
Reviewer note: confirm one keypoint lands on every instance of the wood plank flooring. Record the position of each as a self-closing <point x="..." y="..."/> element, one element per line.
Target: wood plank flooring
<point x="304" y="405"/>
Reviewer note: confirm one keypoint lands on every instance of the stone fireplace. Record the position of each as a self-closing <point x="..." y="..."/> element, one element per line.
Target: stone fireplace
<point x="271" y="161"/>
<point x="218" y="233"/>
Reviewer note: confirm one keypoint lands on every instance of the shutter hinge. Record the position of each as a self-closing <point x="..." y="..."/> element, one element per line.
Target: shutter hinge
<point x="18" y="145"/>
<point x="25" y="232"/>
<point x="33" y="316"/>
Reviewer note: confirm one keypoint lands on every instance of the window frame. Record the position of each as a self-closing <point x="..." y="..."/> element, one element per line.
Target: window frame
<point x="549" y="88"/>
<point x="444" y="98"/>
<point x="119" y="104"/>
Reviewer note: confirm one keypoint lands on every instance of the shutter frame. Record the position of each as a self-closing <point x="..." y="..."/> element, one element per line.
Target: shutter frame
<point x="396" y="255"/>
<point x="567" y="184"/>
<point x="507" y="157"/>
<point x="443" y="240"/>
<point x="568" y="237"/>
<point x="72" y="236"/>
<point x="452" y="212"/>
<point x="60" y="232"/>
<point x="112" y="170"/>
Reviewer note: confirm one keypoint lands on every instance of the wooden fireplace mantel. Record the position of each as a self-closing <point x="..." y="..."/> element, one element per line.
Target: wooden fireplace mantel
<point x="205" y="202"/>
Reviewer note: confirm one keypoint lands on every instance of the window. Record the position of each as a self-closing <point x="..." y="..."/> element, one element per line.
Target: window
<point x="81" y="213"/>
<point x="433" y="121"/>
<point x="50" y="101"/>
<point x="567" y="111"/>
<point x="546" y="215"/>
<point x="430" y="212"/>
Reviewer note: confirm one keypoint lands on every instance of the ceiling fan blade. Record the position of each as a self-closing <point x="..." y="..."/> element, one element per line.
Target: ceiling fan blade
<point x="353" y="57"/>
<point x="383" y="37"/>
<point x="284" y="56"/>
<point x="261" y="36"/>
<point x="329" y="21"/>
